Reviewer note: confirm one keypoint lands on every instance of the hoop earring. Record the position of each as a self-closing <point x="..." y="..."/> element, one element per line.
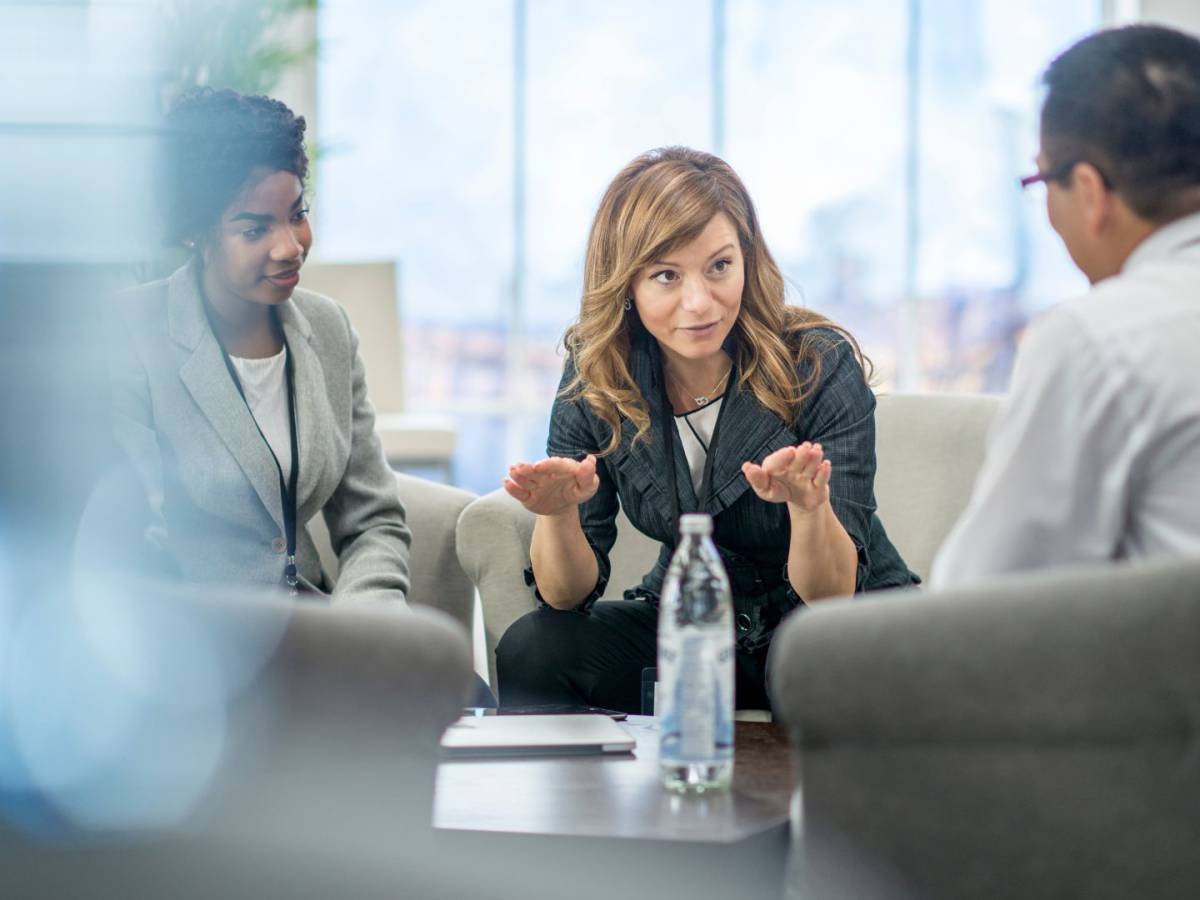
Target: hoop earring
<point x="628" y="304"/>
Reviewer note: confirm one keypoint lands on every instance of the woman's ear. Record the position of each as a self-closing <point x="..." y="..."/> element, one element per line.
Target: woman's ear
<point x="203" y="247"/>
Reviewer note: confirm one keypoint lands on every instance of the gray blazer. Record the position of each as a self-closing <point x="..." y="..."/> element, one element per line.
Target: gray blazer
<point x="211" y="481"/>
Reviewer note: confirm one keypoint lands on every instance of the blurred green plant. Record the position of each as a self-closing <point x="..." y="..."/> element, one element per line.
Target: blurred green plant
<point x="246" y="45"/>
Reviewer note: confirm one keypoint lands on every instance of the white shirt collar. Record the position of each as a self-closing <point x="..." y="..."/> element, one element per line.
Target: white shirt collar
<point x="1165" y="241"/>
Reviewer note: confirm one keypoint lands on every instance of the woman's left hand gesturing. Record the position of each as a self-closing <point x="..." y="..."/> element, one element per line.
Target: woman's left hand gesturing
<point x="798" y="476"/>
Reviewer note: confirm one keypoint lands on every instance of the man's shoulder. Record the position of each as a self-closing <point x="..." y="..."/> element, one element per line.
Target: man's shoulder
<point x="1070" y="342"/>
<point x="1115" y="313"/>
<point x="1110" y="337"/>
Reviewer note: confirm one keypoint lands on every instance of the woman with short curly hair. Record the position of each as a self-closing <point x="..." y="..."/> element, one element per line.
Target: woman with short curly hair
<point x="240" y="397"/>
<point x="691" y="386"/>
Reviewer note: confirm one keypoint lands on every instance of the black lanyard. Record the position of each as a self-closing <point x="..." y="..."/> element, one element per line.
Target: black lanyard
<point x="668" y="439"/>
<point x="287" y="488"/>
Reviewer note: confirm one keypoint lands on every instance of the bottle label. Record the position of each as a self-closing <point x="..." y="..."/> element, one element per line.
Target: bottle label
<point x="696" y="693"/>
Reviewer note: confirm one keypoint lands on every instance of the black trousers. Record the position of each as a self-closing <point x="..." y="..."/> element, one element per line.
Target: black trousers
<point x="596" y="658"/>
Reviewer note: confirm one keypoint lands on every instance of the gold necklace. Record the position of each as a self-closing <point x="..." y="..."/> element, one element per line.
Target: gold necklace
<point x="703" y="399"/>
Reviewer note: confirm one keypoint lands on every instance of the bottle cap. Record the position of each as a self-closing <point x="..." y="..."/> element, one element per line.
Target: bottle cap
<point x="695" y="523"/>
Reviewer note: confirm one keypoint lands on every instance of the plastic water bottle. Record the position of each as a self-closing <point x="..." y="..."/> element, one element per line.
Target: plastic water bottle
<point x="695" y="664"/>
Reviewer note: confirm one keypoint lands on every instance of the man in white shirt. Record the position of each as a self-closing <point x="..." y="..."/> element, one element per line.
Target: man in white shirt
<point x="1096" y="453"/>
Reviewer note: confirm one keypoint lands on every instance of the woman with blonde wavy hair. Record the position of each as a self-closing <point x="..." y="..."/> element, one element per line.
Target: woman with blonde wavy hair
<point x="689" y="385"/>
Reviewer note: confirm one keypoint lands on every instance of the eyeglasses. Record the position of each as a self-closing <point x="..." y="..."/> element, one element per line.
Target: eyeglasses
<point x="1058" y="173"/>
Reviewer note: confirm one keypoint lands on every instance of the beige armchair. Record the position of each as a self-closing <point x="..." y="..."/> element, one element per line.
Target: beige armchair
<point x="438" y="579"/>
<point x="928" y="450"/>
<point x="369" y="293"/>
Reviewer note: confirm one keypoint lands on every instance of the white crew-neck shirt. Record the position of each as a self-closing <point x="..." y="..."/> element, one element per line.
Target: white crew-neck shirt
<point x="264" y="382"/>
<point x="695" y="433"/>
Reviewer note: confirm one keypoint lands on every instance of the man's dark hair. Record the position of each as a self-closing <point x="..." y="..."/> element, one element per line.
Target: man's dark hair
<point x="1127" y="100"/>
<point x="215" y="142"/>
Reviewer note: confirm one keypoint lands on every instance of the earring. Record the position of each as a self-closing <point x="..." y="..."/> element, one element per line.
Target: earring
<point x="628" y="304"/>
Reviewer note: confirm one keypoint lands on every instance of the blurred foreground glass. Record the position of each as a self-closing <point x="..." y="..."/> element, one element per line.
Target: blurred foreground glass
<point x="132" y="704"/>
<point x="78" y="149"/>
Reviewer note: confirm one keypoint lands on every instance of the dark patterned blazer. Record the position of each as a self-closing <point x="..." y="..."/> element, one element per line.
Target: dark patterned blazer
<point x="751" y="534"/>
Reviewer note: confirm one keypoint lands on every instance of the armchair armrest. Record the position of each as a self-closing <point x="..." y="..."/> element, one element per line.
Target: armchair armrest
<point x="1097" y="654"/>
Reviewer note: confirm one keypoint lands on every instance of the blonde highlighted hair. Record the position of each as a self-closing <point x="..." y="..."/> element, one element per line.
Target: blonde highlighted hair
<point x="658" y="203"/>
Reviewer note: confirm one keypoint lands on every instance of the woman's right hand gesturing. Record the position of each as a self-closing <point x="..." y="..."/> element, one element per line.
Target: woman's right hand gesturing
<point x="553" y="486"/>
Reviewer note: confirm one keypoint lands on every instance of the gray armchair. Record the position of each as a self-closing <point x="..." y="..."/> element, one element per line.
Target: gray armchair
<point x="249" y="745"/>
<point x="328" y="720"/>
<point x="1033" y="738"/>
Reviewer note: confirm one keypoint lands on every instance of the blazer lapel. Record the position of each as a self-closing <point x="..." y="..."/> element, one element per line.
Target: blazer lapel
<point x="649" y="470"/>
<point x="314" y="439"/>
<point x="747" y="433"/>
<point x="208" y="381"/>
<point x="657" y="462"/>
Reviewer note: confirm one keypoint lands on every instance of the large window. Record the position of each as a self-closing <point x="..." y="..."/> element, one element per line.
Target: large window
<point x="881" y="141"/>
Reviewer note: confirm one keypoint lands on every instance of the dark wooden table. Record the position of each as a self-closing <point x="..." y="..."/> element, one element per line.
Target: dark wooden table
<point x="602" y="826"/>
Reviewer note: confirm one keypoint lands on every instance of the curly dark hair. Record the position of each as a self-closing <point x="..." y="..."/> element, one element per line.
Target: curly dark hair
<point x="216" y="139"/>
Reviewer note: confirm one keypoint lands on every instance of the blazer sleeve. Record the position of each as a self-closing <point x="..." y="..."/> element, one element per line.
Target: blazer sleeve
<point x="364" y="515"/>
<point x="132" y="414"/>
<point x="840" y="416"/>
<point x="572" y="435"/>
